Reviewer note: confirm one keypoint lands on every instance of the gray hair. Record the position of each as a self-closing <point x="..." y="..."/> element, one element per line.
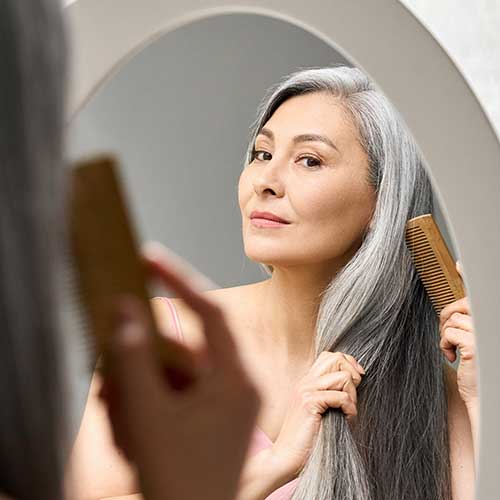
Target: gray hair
<point x="377" y="310"/>
<point x="32" y="414"/>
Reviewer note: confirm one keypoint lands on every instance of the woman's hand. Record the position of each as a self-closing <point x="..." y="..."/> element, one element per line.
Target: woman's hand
<point x="330" y="383"/>
<point x="457" y="331"/>
<point x="189" y="443"/>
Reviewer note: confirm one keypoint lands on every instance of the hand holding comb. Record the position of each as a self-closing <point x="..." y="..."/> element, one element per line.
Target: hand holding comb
<point x="107" y="260"/>
<point x="435" y="265"/>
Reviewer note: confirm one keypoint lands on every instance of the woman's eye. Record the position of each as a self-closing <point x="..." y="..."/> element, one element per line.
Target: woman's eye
<point x="311" y="161"/>
<point x="261" y="155"/>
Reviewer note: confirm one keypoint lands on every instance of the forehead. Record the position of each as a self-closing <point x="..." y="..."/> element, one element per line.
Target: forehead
<point x="318" y="113"/>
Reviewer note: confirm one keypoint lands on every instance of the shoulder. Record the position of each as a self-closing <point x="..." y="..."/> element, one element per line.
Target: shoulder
<point x="231" y="300"/>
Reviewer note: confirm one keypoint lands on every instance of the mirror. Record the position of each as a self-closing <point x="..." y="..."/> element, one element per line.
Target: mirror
<point x="183" y="140"/>
<point x="178" y="114"/>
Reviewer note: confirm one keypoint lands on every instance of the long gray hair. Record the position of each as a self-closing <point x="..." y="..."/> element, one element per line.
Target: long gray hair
<point x="32" y="416"/>
<point x="377" y="310"/>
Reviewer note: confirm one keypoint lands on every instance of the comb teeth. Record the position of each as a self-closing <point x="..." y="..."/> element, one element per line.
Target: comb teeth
<point x="433" y="262"/>
<point x="74" y="317"/>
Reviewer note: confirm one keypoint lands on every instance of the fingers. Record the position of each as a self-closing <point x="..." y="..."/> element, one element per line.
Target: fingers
<point x="133" y="388"/>
<point x="457" y="329"/>
<point x="462" y="306"/>
<point x="219" y="339"/>
<point x="118" y="427"/>
<point x="331" y="383"/>
<point x="453" y="338"/>
<point x="459" y="320"/>
<point x="321" y="401"/>
<point x="355" y="363"/>
<point x="134" y="368"/>
<point x="336" y="361"/>
<point x="339" y="381"/>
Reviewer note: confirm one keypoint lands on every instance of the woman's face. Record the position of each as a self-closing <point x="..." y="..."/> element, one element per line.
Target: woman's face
<point x="309" y="169"/>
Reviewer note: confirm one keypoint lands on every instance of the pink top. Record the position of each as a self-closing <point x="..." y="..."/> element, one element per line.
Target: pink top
<point x="259" y="441"/>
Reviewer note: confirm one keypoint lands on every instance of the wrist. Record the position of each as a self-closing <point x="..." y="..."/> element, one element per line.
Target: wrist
<point x="262" y="474"/>
<point x="282" y="467"/>
<point x="472" y="405"/>
<point x="473" y="412"/>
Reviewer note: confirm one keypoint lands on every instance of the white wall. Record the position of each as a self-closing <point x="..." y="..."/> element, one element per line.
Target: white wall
<point x="470" y="33"/>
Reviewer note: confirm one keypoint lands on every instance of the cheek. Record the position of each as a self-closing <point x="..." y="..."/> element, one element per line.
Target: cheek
<point x="336" y="207"/>
<point x="318" y="204"/>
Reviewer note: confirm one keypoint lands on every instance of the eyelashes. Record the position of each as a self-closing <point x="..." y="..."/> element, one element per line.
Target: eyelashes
<point x="257" y="151"/>
<point x="318" y="161"/>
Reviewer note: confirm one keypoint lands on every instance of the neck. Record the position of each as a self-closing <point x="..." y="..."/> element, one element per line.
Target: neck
<point x="288" y="305"/>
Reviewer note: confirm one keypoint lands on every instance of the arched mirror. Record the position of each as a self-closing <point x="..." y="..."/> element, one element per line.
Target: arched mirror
<point x="174" y="91"/>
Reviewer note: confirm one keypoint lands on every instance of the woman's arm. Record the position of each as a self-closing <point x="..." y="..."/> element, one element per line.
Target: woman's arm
<point x="97" y="469"/>
<point x="473" y="412"/>
<point x="462" y="444"/>
<point x="261" y="475"/>
<point x="458" y="334"/>
<point x="330" y="383"/>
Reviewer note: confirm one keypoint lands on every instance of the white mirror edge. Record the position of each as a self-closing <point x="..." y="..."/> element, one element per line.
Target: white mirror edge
<point x="383" y="38"/>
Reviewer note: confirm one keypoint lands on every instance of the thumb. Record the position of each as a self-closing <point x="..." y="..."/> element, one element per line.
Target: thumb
<point x="134" y="365"/>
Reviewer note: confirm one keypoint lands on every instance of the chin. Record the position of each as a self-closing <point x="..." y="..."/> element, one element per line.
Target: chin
<point x="268" y="258"/>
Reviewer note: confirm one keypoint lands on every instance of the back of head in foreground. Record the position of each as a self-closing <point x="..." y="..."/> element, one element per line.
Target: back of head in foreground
<point x="32" y="415"/>
<point x="377" y="310"/>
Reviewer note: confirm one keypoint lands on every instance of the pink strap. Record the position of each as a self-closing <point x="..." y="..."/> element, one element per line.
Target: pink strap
<point x="177" y="323"/>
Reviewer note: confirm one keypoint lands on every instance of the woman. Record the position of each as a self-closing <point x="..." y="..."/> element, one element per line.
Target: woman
<point x="33" y="425"/>
<point x="342" y="322"/>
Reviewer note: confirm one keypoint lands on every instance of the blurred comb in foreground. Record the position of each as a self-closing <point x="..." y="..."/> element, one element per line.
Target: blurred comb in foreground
<point x="107" y="262"/>
<point x="433" y="261"/>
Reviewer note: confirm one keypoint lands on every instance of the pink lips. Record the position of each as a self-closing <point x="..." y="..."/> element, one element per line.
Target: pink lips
<point x="267" y="223"/>
<point x="267" y="219"/>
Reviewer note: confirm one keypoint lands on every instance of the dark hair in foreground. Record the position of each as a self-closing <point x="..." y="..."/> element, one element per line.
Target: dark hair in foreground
<point x="32" y="416"/>
<point x="377" y="310"/>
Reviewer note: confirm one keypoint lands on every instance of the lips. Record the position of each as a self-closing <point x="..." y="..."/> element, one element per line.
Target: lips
<point x="268" y="216"/>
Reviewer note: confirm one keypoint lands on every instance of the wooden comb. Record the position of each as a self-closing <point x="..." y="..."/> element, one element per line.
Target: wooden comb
<point x="107" y="261"/>
<point x="435" y="265"/>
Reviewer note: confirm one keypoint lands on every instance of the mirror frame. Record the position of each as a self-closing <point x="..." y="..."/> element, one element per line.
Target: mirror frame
<point x="384" y="39"/>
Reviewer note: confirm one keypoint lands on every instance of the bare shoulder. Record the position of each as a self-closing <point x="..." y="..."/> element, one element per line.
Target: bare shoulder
<point x="231" y="300"/>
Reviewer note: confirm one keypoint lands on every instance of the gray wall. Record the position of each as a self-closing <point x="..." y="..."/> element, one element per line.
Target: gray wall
<point x="178" y="115"/>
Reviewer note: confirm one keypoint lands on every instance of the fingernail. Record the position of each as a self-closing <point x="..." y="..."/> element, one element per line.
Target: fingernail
<point x="123" y="310"/>
<point x="126" y="330"/>
<point x="361" y="368"/>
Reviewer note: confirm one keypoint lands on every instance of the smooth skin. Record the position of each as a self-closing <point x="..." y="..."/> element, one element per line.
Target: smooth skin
<point x="309" y="168"/>
<point x="169" y="432"/>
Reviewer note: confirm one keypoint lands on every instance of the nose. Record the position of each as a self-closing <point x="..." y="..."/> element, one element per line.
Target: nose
<point x="269" y="179"/>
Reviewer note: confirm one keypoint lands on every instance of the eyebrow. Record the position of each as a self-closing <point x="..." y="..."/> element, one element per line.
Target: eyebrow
<point x="302" y="138"/>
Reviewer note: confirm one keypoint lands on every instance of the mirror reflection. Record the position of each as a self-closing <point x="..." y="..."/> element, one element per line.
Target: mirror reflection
<point x="268" y="161"/>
